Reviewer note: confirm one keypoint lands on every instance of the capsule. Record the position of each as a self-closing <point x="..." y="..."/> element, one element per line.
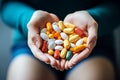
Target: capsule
<point x="51" y="44"/>
<point x="74" y="38"/>
<point x="64" y="35"/>
<point x="58" y="47"/>
<point x="51" y="52"/>
<point x="58" y="41"/>
<point x="63" y="53"/>
<point x="69" y="55"/>
<point x="61" y="25"/>
<point x="79" y="42"/>
<point x="79" y="32"/>
<point x="49" y="27"/>
<point x="44" y="47"/>
<point x="66" y="44"/>
<point x="55" y="27"/>
<point x="51" y="36"/>
<point x="78" y="48"/>
<point x="43" y="30"/>
<point x="85" y="39"/>
<point x="68" y="30"/>
<point x="44" y="36"/>
<point x="57" y="54"/>
<point x="72" y="45"/>
<point x="69" y="25"/>
<point x="56" y="35"/>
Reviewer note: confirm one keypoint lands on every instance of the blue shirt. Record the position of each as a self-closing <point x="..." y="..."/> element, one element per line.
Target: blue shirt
<point x="17" y="13"/>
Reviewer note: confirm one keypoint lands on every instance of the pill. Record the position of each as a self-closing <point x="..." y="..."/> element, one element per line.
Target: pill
<point x="74" y="38"/>
<point x="43" y="30"/>
<point x="79" y="42"/>
<point x="51" y="52"/>
<point x="68" y="30"/>
<point x="79" y="32"/>
<point x="51" y="40"/>
<point x="47" y="32"/>
<point x="51" y="45"/>
<point x="51" y="36"/>
<point x="55" y="27"/>
<point x="66" y="44"/>
<point x="44" y="47"/>
<point x="57" y="54"/>
<point x="44" y="36"/>
<point x="69" y="25"/>
<point x="69" y="55"/>
<point x="58" y="41"/>
<point x="58" y="47"/>
<point x="64" y="35"/>
<point x="56" y="35"/>
<point x="72" y="45"/>
<point x="63" y="53"/>
<point x="85" y="39"/>
<point x="49" y="26"/>
<point x="61" y="25"/>
<point x="78" y="48"/>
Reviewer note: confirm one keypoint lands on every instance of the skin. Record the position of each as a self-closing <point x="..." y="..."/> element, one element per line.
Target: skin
<point x="81" y="19"/>
<point x="28" y="68"/>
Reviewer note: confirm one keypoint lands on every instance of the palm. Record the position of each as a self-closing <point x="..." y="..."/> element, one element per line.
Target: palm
<point x="83" y="20"/>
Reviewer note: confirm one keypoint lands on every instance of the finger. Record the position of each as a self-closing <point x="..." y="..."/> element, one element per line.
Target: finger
<point x="38" y="54"/>
<point x="66" y="65"/>
<point x="58" y="64"/>
<point x="68" y="18"/>
<point x="78" y="57"/>
<point x="92" y="34"/>
<point x="34" y="43"/>
<point x="54" y="17"/>
<point x="62" y="67"/>
<point x="53" y="62"/>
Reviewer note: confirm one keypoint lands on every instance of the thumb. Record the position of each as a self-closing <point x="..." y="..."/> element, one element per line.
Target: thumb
<point x="54" y="17"/>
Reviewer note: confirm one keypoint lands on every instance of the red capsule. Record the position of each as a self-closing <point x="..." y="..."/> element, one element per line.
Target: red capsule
<point x="44" y="47"/>
<point x="79" y="32"/>
<point x="57" y="54"/>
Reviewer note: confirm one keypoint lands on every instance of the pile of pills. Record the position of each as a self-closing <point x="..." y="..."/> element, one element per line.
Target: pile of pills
<point x="62" y="40"/>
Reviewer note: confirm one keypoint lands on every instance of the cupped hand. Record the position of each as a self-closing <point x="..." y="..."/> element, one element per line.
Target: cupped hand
<point x="85" y="22"/>
<point x="36" y="23"/>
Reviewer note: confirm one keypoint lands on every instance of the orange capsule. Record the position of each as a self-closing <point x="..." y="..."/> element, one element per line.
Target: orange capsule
<point x="49" y="26"/>
<point x="53" y="32"/>
<point x="44" y="47"/>
<point x="78" y="48"/>
<point x="57" y="34"/>
<point x="79" y="32"/>
<point x="57" y="54"/>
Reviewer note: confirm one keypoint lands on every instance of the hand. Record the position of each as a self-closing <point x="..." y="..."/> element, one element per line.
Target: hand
<point x="84" y="21"/>
<point x="36" y="23"/>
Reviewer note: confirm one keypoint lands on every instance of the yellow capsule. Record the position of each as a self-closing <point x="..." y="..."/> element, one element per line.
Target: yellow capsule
<point x="66" y="44"/>
<point x="63" y="53"/>
<point x="78" y="48"/>
<point x="72" y="34"/>
<point x="51" y="36"/>
<point x="49" y="26"/>
<point x="50" y="51"/>
<point x="47" y="32"/>
<point x="85" y="39"/>
<point x="74" y="38"/>
<point x="69" y="25"/>
<point x="68" y="30"/>
<point x="61" y="25"/>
